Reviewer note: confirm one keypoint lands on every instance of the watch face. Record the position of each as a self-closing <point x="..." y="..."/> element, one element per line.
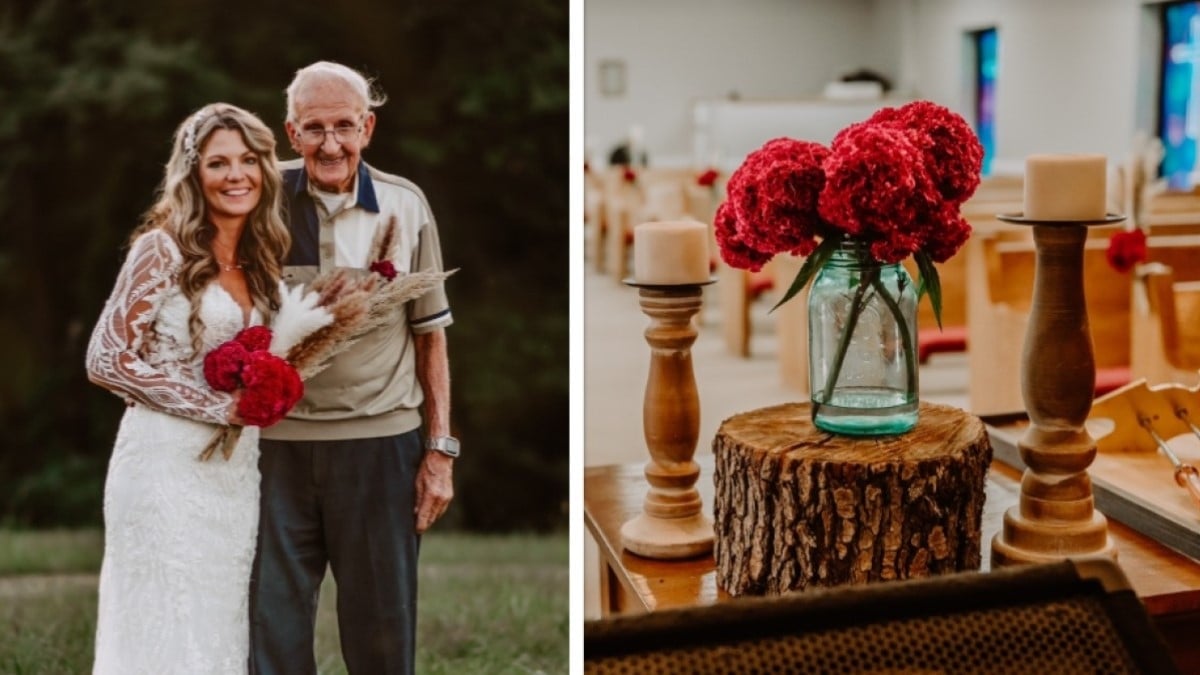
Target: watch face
<point x="447" y="445"/>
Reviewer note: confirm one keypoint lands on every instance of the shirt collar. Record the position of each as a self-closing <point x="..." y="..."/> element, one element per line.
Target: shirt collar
<point x="364" y="194"/>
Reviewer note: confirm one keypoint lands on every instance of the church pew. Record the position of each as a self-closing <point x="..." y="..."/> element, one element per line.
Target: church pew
<point x="593" y="214"/>
<point x="1000" y="299"/>
<point x="1000" y="302"/>
<point x="1166" y="312"/>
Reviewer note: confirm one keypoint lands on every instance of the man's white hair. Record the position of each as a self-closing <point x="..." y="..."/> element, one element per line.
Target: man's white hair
<point x="324" y="71"/>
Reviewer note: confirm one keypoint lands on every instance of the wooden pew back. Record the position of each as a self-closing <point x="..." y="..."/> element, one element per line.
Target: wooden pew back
<point x="1166" y="311"/>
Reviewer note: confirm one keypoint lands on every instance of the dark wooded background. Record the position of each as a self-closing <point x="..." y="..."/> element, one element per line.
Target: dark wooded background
<point x="90" y="93"/>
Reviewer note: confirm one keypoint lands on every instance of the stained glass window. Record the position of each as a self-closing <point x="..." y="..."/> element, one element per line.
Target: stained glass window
<point x="985" y="94"/>
<point x="1179" y="119"/>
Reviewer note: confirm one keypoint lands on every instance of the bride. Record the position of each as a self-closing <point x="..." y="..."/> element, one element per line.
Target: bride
<point x="180" y="532"/>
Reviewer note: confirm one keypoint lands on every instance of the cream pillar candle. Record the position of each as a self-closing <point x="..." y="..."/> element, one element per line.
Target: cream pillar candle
<point x="670" y="253"/>
<point x="1065" y="187"/>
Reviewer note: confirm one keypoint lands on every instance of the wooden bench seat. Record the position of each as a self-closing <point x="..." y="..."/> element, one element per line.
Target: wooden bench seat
<point x="1002" y="294"/>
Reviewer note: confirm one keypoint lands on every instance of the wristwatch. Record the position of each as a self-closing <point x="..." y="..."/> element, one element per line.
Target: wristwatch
<point x="447" y="445"/>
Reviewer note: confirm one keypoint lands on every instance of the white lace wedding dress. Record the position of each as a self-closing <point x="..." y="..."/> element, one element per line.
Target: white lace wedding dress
<point x="179" y="533"/>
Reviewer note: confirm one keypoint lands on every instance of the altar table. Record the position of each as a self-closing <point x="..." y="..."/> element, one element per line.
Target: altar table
<point x="1167" y="583"/>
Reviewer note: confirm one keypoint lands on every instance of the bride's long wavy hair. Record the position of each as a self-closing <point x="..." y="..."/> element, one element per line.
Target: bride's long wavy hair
<point x="182" y="212"/>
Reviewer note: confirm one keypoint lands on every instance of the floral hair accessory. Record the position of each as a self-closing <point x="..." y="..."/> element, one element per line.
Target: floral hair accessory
<point x="1126" y="249"/>
<point x="190" y="152"/>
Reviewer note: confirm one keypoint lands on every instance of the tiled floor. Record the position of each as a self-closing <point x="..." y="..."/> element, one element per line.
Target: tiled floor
<point x="616" y="364"/>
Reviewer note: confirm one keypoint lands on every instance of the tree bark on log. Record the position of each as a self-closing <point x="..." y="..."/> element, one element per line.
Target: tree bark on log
<point x="797" y="507"/>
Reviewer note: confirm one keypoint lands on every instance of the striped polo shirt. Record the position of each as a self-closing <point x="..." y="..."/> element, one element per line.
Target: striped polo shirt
<point x="371" y="389"/>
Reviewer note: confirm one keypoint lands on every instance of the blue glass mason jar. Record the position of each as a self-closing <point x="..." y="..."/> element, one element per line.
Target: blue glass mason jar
<point x="862" y="345"/>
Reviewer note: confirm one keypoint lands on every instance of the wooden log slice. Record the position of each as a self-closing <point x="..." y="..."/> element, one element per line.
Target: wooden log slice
<point x="797" y="507"/>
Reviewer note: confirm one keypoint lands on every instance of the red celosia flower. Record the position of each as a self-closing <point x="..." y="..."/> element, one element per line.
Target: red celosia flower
<point x="272" y="387"/>
<point x="1126" y="249"/>
<point x="629" y="175"/>
<point x="944" y="233"/>
<point x="384" y="268"/>
<point x="254" y="338"/>
<point x="708" y="178"/>
<point x="223" y="366"/>
<point x="774" y="196"/>
<point x="894" y="182"/>
<point x="876" y="188"/>
<point x="953" y="153"/>
<point x="734" y="251"/>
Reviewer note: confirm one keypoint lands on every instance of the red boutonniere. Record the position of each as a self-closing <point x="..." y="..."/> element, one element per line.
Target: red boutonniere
<point x="384" y="268"/>
<point x="1126" y="249"/>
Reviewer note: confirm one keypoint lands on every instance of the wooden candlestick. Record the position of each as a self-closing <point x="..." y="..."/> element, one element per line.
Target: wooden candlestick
<point x="672" y="523"/>
<point x="1056" y="517"/>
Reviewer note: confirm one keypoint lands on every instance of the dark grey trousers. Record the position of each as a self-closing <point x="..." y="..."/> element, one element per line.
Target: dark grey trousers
<point x="348" y="504"/>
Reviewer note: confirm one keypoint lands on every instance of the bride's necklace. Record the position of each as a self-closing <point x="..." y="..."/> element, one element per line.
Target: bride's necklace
<point x="225" y="267"/>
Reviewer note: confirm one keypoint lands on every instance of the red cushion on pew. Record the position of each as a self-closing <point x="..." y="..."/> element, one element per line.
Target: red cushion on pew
<point x="946" y="339"/>
<point x="1108" y="379"/>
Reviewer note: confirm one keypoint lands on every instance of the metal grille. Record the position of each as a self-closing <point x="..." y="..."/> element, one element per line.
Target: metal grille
<point x="1060" y="637"/>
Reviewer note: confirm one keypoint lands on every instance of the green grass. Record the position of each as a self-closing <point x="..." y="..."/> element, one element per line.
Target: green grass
<point x="50" y="551"/>
<point x="488" y="604"/>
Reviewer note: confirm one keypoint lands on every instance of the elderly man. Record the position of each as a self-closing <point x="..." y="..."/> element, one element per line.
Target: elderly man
<point x="347" y="479"/>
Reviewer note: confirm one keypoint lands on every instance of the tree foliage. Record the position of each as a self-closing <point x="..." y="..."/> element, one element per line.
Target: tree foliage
<point x="477" y="116"/>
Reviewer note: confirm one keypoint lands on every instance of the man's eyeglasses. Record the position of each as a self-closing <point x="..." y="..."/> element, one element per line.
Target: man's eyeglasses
<point x="343" y="132"/>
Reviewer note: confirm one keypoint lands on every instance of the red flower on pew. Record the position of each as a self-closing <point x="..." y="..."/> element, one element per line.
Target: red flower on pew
<point x="708" y="178"/>
<point x="1126" y="249"/>
<point x="629" y="175"/>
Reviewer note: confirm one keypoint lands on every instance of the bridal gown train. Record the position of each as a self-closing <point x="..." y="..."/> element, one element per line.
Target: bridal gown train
<point x="179" y="533"/>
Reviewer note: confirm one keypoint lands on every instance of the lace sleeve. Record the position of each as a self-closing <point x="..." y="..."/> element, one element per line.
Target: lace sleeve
<point x="114" y="352"/>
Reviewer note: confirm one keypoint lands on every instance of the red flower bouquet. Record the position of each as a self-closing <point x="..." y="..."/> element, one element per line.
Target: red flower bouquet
<point x="894" y="183"/>
<point x="885" y="189"/>
<point x="270" y="386"/>
<point x="1126" y="249"/>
